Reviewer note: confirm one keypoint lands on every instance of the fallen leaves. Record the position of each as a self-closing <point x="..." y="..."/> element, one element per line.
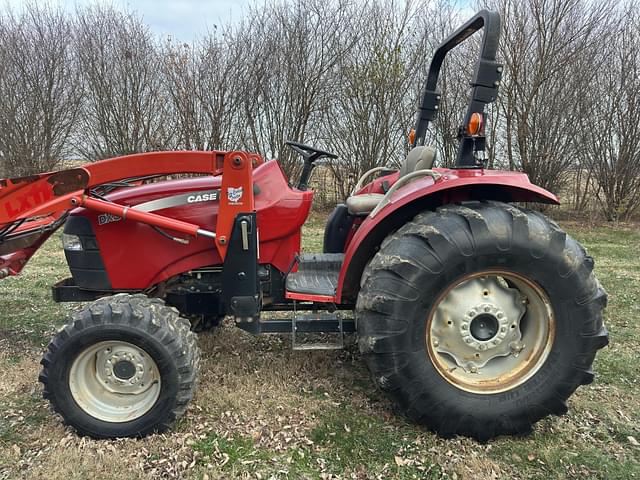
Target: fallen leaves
<point x="399" y="461"/>
<point x="272" y="400"/>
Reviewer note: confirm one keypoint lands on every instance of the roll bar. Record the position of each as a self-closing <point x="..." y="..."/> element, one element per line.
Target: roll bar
<point x="484" y="84"/>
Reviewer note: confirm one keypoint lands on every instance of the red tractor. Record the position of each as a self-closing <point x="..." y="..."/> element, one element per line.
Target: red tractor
<point x="476" y="316"/>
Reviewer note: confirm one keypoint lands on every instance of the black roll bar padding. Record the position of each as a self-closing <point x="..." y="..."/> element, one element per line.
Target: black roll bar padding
<point x="484" y="83"/>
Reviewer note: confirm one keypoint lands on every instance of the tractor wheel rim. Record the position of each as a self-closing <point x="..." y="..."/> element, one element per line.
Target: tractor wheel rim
<point x="490" y="332"/>
<point x="114" y="381"/>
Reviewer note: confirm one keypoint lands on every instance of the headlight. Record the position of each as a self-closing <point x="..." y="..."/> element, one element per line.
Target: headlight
<point x="71" y="242"/>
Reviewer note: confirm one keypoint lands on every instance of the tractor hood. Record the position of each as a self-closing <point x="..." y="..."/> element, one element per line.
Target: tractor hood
<point x="135" y="256"/>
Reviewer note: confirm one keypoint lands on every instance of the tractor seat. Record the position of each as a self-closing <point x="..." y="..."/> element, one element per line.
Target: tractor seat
<point x="419" y="158"/>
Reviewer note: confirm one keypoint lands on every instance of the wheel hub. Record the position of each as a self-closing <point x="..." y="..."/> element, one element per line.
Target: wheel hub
<point x="490" y="331"/>
<point x="478" y="321"/>
<point x="124" y="369"/>
<point x="114" y="381"/>
<point x="484" y="327"/>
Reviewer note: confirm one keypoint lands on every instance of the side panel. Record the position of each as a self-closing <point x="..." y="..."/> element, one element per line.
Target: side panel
<point x="137" y="257"/>
<point x="422" y="194"/>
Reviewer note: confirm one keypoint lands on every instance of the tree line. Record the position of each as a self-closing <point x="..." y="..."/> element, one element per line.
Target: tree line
<point x="345" y="75"/>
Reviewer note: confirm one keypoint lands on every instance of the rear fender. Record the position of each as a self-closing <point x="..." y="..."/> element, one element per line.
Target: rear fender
<point x="426" y="194"/>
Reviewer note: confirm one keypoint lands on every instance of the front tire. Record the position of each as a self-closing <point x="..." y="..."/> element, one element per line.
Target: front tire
<point x="124" y="366"/>
<point x="480" y="319"/>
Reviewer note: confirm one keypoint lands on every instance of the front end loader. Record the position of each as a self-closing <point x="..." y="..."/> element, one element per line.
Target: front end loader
<point x="475" y="315"/>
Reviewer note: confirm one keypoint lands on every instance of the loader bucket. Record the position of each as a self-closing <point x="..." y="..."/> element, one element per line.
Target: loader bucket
<point x="31" y="209"/>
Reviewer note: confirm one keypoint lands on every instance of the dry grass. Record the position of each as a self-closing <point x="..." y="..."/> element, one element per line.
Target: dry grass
<point x="264" y="411"/>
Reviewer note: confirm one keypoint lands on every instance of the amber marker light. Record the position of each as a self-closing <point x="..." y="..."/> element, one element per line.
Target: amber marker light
<point x="412" y="136"/>
<point x="476" y="123"/>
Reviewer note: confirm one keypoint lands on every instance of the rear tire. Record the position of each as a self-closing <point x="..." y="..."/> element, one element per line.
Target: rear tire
<point x="537" y="309"/>
<point x="124" y="366"/>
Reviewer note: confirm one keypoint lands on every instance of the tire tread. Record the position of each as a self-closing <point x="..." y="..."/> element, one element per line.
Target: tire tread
<point x="147" y="315"/>
<point x="459" y="228"/>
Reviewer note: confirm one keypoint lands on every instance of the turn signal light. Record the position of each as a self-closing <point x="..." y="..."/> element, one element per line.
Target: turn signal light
<point x="476" y="124"/>
<point x="412" y="136"/>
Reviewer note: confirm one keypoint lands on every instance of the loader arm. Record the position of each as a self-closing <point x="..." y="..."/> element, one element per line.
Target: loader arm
<point x="33" y="207"/>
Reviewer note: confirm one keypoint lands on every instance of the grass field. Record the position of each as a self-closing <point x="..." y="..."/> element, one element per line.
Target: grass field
<point x="264" y="411"/>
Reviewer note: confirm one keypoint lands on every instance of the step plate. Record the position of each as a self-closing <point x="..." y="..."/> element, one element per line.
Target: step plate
<point x="317" y="274"/>
<point x="309" y="319"/>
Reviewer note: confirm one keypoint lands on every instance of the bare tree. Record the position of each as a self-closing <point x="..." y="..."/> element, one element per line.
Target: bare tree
<point x="202" y="83"/>
<point x="543" y="43"/>
<point x="340" y="74"/>
<point x="290" y="51"/>
<point x="610" y="132"/>
<point x="181" y="72"/>
<point x="125" y="107"/>
<point x="221" y="88"/>
<point x="374" y="98"/>
<point x="38" y="90"/>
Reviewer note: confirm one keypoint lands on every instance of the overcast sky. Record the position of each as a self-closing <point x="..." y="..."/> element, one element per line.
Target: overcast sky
<point x="182" y="19"/>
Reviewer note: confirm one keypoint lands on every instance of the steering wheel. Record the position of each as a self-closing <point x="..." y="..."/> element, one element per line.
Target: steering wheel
<point x="308" y="151"/>
<point x="309" y="156"/>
